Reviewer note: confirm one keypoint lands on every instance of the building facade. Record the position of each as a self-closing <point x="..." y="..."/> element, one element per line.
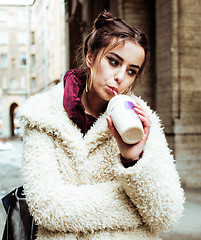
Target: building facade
<point x="32" y="52"/>
<point x="172" y="78"/>
<point x="47" y="44"/>
<point x="13" y="64"/>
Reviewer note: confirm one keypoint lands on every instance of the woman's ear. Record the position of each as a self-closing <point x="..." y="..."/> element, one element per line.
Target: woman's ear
<point x="89" y="60"/>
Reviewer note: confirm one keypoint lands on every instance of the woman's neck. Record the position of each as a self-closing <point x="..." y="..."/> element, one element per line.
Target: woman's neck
<point x="93" y="105"/>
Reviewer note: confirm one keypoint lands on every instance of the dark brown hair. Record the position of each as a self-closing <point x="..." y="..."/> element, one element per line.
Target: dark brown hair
<point x="106" y="28"/>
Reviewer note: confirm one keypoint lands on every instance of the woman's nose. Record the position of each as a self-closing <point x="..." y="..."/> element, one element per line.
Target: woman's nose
<point x="119" y="76"/>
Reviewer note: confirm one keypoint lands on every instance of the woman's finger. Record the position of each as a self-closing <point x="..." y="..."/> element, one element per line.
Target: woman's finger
<point x="140" y="112"/>
<point x="138" y="109"/>
<point x="146" y="126"/>
<point x="145" y="121"/>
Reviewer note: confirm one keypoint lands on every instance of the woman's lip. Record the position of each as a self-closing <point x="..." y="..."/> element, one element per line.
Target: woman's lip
<point x="114" y="90"/>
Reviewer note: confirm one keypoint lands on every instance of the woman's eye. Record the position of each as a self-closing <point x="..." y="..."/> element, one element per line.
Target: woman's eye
<point x="132" y="72"/>
<point x="113" y="62"/>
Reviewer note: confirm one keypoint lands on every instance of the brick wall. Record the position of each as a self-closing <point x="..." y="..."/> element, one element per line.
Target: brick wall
<point x="140" y="14"/>
<point x="178" y="62"/>
<point x="163" y="63"/>
<point x="188" y="125"/>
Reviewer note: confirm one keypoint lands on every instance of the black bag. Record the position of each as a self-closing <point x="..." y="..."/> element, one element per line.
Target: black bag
<point x="19" y="223"/>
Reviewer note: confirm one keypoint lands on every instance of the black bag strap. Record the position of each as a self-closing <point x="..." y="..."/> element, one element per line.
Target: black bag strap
<point x="10" y="198"/>
<point x="19" y="223"/>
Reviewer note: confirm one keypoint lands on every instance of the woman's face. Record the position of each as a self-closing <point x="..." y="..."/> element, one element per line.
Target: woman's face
<point x="115" y="69"/>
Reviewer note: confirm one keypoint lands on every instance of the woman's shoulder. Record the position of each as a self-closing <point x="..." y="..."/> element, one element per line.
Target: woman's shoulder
<point x="37" y="106"/>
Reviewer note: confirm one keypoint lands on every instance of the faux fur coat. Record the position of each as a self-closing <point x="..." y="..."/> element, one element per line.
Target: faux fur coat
<point x="76" y="186"/>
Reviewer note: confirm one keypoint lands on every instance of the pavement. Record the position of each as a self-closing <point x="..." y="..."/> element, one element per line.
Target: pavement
<point x="188" y="228"/>
<point x="10" y="171"/>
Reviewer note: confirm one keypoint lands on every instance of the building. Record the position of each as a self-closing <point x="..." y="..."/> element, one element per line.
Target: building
<point x="47" y="44"/>
<point x="13" y="64"/>
<point x="32" y="52"/>
<point x="173" y="76"/>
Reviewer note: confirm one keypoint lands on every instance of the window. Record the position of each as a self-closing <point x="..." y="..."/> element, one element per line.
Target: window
<point x="33" y="15"/>
<point x="3" y="15"/>
<point x="14" y="83"/>
<point x="22" y="82"/>
<point x="4" y="60"/>
<point x="22" y="38"/>
<point x="4" y="83"/>
<point x="13" y="62"/>
<point x="3" y="37"/>
<point x="32" y="37"/>
<point x="22" y="15"/>
<point x="33" y="60"/>
<point x="33" y="83"/>
<point x="23" y="60"/>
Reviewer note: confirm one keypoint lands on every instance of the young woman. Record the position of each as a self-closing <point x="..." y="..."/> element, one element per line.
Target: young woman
<point x="81" y="180"/>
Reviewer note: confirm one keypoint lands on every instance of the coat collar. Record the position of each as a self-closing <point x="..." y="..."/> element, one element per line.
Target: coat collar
<point x="45" y="112"/>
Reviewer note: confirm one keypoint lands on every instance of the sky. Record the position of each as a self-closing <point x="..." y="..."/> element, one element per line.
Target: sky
<point x="16" y="2"/>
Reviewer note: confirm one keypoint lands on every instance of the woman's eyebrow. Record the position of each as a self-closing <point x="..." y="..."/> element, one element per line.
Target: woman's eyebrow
<point x="121" y="59"/>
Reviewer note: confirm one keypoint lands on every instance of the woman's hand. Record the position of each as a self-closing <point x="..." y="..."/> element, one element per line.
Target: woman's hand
<point x="132" y="151"/>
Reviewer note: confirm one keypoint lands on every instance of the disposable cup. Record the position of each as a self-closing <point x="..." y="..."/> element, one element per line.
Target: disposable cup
<point x="125" y="120"/>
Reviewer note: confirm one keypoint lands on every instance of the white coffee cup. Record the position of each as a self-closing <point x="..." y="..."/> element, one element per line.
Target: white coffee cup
<point x="124" y="118"/>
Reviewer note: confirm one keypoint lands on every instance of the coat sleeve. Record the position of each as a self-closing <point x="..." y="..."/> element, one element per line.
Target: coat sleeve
<point x="58" y="206"/>
<point x="153" y="184"/>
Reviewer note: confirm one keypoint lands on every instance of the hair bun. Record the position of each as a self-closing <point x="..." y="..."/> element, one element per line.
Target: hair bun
<point x="102" y="19"/>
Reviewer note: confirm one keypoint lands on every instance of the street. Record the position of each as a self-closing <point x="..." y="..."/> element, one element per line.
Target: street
<point x="188" y="228"/>
<point x="10" y="175"/>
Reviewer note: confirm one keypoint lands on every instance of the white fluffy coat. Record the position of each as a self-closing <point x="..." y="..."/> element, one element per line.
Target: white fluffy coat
<point x="76" y="186"/>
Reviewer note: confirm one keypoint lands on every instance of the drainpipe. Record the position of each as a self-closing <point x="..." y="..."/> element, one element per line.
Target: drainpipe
<point x="28" y="72"/>
<point x="45" y="38"/>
